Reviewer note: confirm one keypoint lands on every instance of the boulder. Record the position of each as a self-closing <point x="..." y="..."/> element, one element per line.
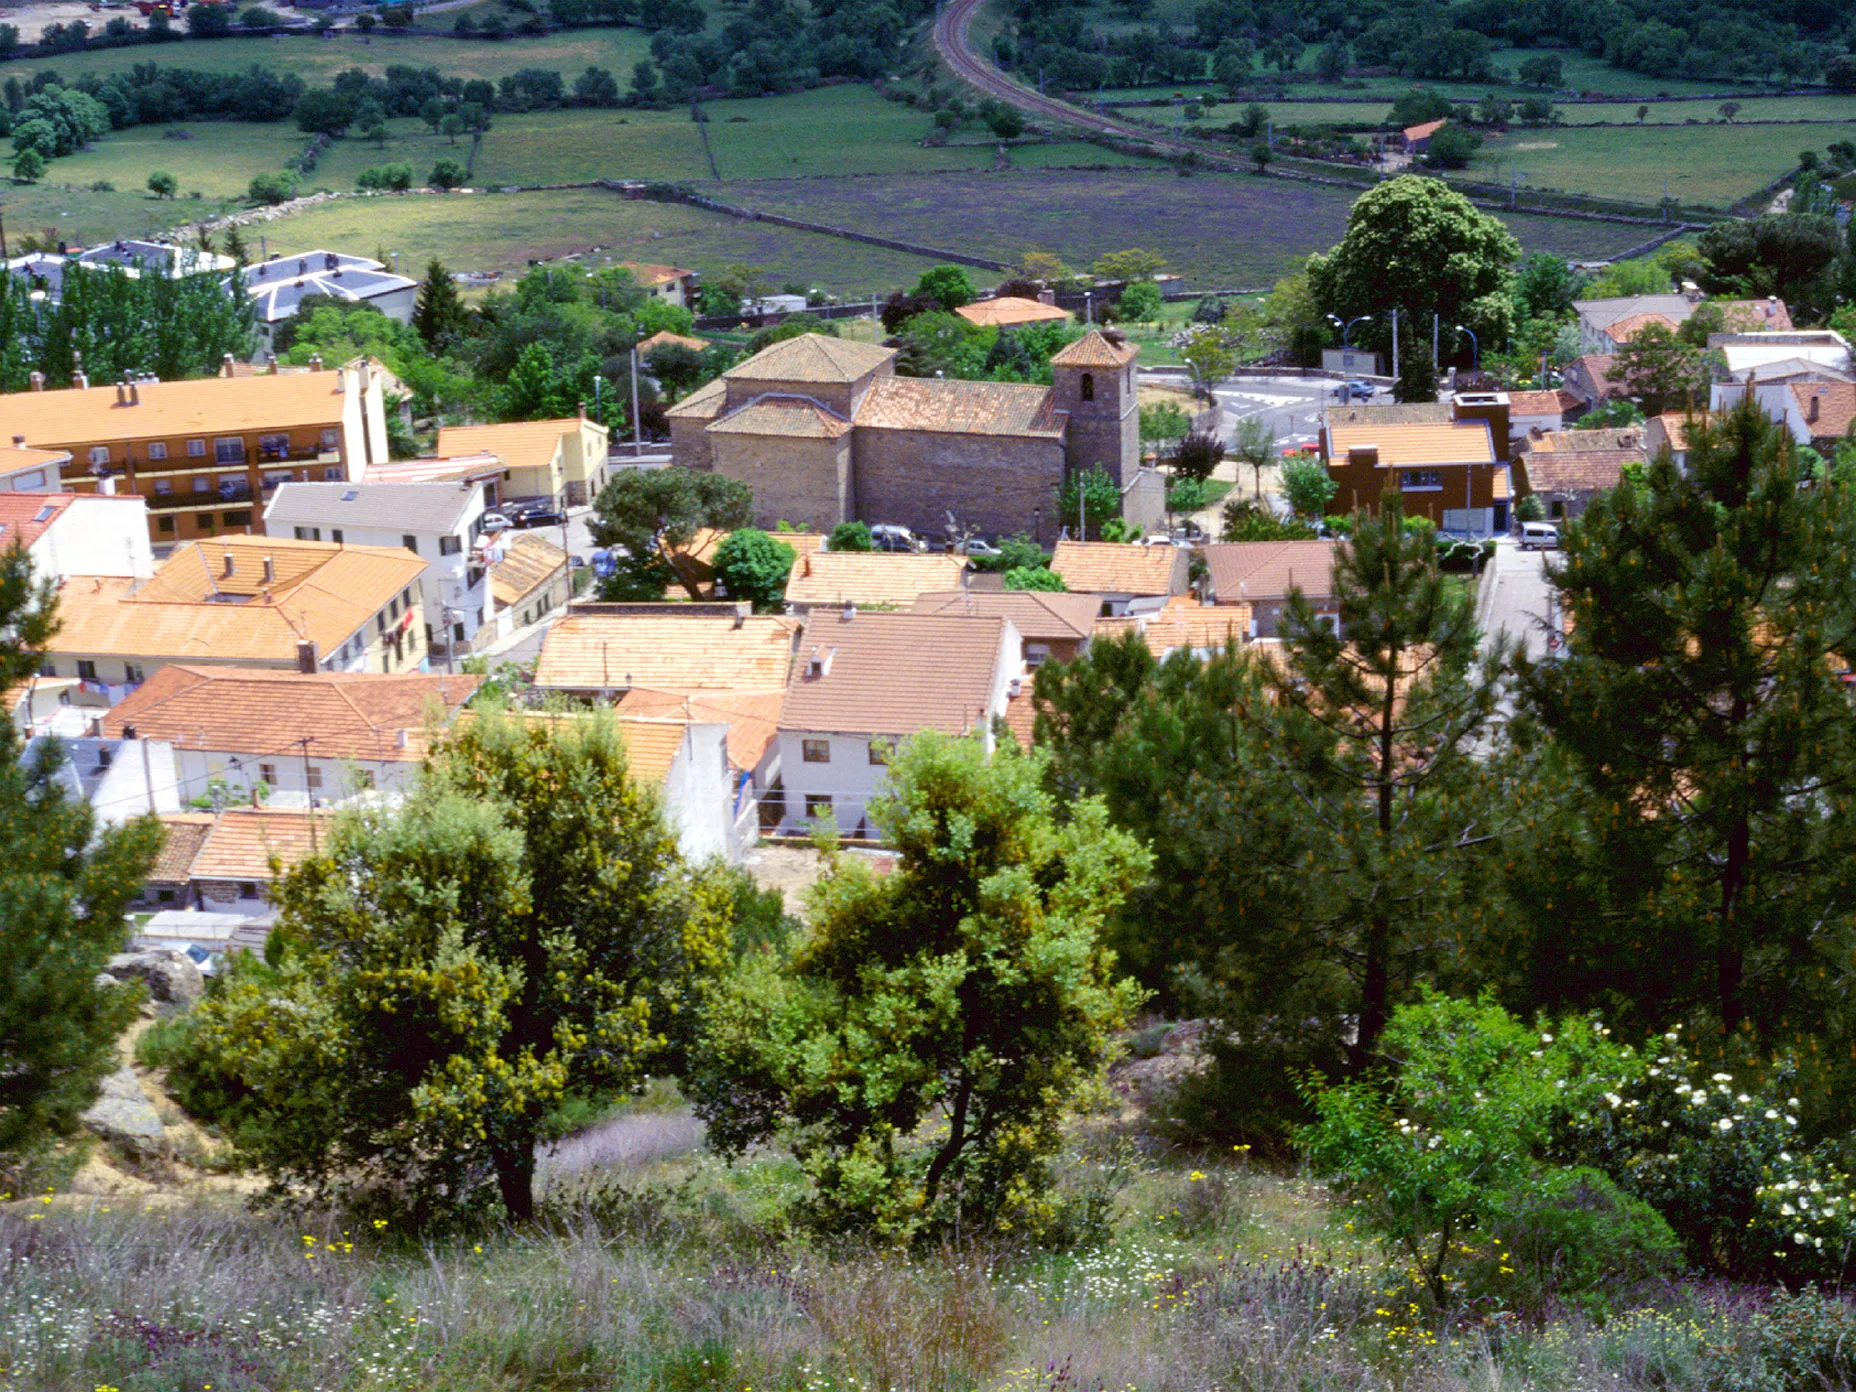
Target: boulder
<point x="123" y="1116"/>
<point x="169" y="973"/>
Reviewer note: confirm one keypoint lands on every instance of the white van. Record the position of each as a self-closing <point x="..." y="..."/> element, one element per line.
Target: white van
<point x="1539" y="536"/>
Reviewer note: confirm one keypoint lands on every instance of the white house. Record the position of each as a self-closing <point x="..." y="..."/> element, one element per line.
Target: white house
<point x="27" y="470"/>
<point x="280" y="285"/>
<point x="68" y="534"/>
<point x="688" y="761"/>
<point x="121" y="779"/>
<point x="864" y="681"/>
<point x="441" y="523"/>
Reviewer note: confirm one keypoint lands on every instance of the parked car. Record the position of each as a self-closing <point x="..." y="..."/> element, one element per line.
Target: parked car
<point x="1355" y="390"/>
<point x="1539" y="536"/>
<point x="885" y="537"/>
<point x="603" y="563"/>
<point x="494" y="522"/>
<point x="539" y="515"/>
<point x="973" y="546"/>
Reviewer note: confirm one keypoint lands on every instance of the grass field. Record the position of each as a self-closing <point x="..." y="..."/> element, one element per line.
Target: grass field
<point x="1708" y="165"/>
<point x="79" y="216"/>
<point x="217" y="158"/>
<point x="1220" y="231"/>
<point x="504" y="232"/>
<point x="1677" y="113"/>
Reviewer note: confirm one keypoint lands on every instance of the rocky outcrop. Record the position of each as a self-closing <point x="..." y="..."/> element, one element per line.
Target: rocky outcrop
<point x="169" y="974"/>
<point x="123" y="1116"/>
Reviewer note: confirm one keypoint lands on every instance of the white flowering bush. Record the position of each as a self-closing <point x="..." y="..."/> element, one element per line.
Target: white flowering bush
<point x="1719" y="1157"/>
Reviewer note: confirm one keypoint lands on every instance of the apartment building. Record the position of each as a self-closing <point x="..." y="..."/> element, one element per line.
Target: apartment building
<point x="559" y="462"/>
<point x="205" y="454"/>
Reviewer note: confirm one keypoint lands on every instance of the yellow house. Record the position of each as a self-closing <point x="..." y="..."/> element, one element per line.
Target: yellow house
<point x="205" y="454"/>
<point x="246" y="602"/>
<point x="561" y="462"/>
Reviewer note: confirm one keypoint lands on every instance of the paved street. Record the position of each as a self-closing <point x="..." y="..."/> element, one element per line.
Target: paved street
<point x="1515" y="597"/>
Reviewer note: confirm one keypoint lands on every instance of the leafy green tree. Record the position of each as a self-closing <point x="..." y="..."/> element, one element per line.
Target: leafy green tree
<point x="1187" y="496"/>
<point x="58" y="121"/>
<point x="1245" y="519"/>
<point x="969" y="984"/>
<point x="438" y="314"/>
<point x="64" y="883"/>
<point x="1254" y="444"/>
<point x="1415" y="244"/>
<point x="1197" y="456"/>
<point x="448" y="173"/>
<point x="396" y="176"/>
<point x="522" y="930"/>
<point x="1209" y="354"/>
<point x="272" y="188"/>
<point x="1661" y="372"/>
<point x="1452" y="148"/>
<point x="1542" y="71"/>
<point x="1545" y="286"/>
<point x="948" y="286"/>
<point x="1308" y="486"/>
<point x="1417" y="373"/>
<point x="1141" y="303"/>
<point x="1713" y="740"/>
<point x="1163" y="421"/>
<point x="940" y="344"/>
<point x="648" y="515"/>
<point x="851" y="536"/>
<point x="1006" y="122"/>
<point x="1130" y="266"/>
<point x="1034" y="578"/>
<point x="451" y="126"/>
<point x="28" y="166"/>
<point x="754" y="566"/>
<point x="1261" y="156"/>
<point x="1089" y="502"/>
<point x="163" y="184"/>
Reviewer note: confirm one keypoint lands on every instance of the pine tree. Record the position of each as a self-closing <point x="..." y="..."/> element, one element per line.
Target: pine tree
<point x="63" y="887"/>
<point x="1701" y="707"/>
<point x="439" y="313"/>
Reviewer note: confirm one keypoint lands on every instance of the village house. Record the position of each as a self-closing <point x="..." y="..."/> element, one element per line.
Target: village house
<point x="671" y="284"/>
<point x="1416" y="140"/>
<point x="121" y="778"/>
<point x="824" y="432"/>
<point x="27" y="470"/>
<point x="205" y="454"/>
<point x="1606" y="325"/>
<point x="440" y="523"/>
<point x="227" y="861"/>
<point x="1669" y="433"/>
<point x="1529" y="411"/>
<point x="44" y="272"/>
<point x="1186" y="625"/>
<point x="279" y="286"/>
<point x="247" y="601"/>
<point x="869" y="578"/>
<point x="1453" y="472"/>
<point x="1805" y="355"/>
<point x="687" y="760"/>
<point x="302" y="738"/>
<point x="558" y="462"/>
<point x="1052" y="627"/>
<point x="1120" y="575"/>
<point x="1012" y="312"/>
<point x="530" y="580"/>
<point x="1568" y="468"/>
<point x="68" y="534"/>
<point x="863" y="682"/>
<point x="1260" y="574"/>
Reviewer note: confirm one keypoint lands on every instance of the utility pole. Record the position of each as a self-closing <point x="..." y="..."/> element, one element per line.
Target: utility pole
<point x="637" y="434"/>
<point x="1395" y="343"/>
<point x="1434" y="358"/>
<point x="309" y="795"/>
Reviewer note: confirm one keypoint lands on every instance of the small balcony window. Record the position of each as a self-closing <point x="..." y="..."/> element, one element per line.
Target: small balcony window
<point x="815" y="751"/>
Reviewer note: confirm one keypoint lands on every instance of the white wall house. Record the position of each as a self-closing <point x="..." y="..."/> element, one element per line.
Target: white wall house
<point x="441" y="523"/>
<point x="121" y="779"/>
<point x="68" y="534"/>
<point x="863" y="682"/>
<point x="280" y="285"/>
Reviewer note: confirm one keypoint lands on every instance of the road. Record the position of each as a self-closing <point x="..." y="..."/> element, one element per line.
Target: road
<point x="1516" y="599"/>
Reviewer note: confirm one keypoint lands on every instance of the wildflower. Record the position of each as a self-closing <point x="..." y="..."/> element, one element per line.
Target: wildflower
<point x="1196" y="1176"/>
<point x="1771" y="1115"/>
<point x="1725" y="1123"/>
<point x="1614" y="1100"/>
<point x="1723" y="1078"/>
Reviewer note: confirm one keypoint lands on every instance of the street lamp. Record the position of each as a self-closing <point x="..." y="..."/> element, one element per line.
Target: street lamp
<point x="1346" y="329"/>
<point x="1475" y="346"/>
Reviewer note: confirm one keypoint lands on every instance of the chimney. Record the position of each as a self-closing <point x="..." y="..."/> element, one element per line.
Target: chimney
<point x="19" y="442"/>
<point x="1810" y="410"/>
<point x="106" y="485"/>
<point x="135" y="394"/>
<point x="37" y="381"/>
<point x="315" y="362"/>
<point x="231" y="565"/>
<point x="308" y="656"/>
<point x="225" y="365"/>
<point x="583" y="410"/>
<point x="848" y="613"/>
<point x="270" y="571"/>
<point x="400" y="740"/>
<point x="81" y="380"/>
<point x="270" y="363"/>
<point x="128" y="732"/>
<point x="122" y="394"/>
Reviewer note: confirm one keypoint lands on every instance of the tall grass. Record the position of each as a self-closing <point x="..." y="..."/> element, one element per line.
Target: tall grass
<point x="688" y="1280"/>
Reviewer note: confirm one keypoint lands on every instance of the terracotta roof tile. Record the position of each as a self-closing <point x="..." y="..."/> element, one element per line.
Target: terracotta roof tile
<point x="811" y="358"/>
<point x="1265" y="570"/>
<point x="705" y="403"/>
<point x="207" y="406"/>
<point x="1039" y="616"/>
<point x="782" y="415"/>
<point x="1755" y="316"/>
<point x="1428" y="128"/>
<point x="666" y="339"/>
<point x="519" y="444"/>
<point x="752" y="717"/>
<point x="651" y="745"/>
<point x="1674" y="426"/>
<point x="1578" y="471"/>
<point x="610" y="652"/>
<point x="1185" y="623"/>
<point x="1836" y="407"/>
<point x="1614" y="437"/>
<point x="25" y="517"/>
<point x="1007" y="311"/>
<point x="243" y="710"/>
<point x="893" y="674"/>
<point x="1540" y="403"/>
<point x="1109" y="567"/>
<point x="529" y="562"/>
<point x="1094" y="349"/>
<point x="959" y="407"/>
<point x="650" y="273"/>
<point x="183" y="833"/>
<point x="870" y="578"/>
<point x="1627" y="328"/>
<point x="243" y="839"/>
<point x="1402" y="446"/>
<point x="1021" y="716"/>
<point x="321" y="592"/>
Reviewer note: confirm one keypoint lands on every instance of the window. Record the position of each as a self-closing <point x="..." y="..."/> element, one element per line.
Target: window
<point x="818" y="804"/>
<point x="273" y="477"/>
<point x="449" y="546"/>
<point x="406" y="596"/>
<point x="29" y="483"/>
<point x="1556" y="509"/>
<point x="880" y="750"/>
<point x="332" y="474"/>
<point x="165" y="524"/>
<point x="312" y="776"/>
<point x="457" y="632"/>
<point x="164" y="896"/>
<point x="1420" y="480"/>
<point x="1037" y="654"/>
<point x="268" y="773"/>
<point x="1089" y="386"/>
<point x="158" y="449"/>
<point x="99" y="454"/>
<point x="380" y="622"/>
<point x="163" y="487"/>
<point x="410" y="542"/>
<point x="308" y="533"/>
<point x="241" y="518"/>
<point x="196" y="449"/>
<point x="331" y="439"/>
<point x="335" y="535"/>
<point x="815" y="751"/>
<point x="202" y="484"/>
<point x="247" y="889"/>
<point x="274" y="446"/>
<point x="393" y="607"/>
<point x="86" y="669"/>
<point x="229" y="449"/>
<point x="132" y="673"/>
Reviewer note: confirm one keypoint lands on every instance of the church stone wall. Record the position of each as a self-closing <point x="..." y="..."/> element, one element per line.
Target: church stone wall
<point x="994" y="485"/>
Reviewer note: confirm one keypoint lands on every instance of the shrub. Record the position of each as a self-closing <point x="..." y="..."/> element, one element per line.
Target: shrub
<point x="447" y="173"/>
<point x="1308" y="485"/>
<point x="386" y="177"/>
<point x="851" y="536"/>
<point x="1188" y="495"/>
<point x="272" y="188"/>
<point x="753" y="566"/>
<point x="1034" y="578"/>
<point x="1568" y="1233"/>
<point x="1530" y="509"/>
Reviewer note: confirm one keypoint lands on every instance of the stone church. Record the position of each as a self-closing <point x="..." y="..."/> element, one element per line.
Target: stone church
<point x="824" y="432"/>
